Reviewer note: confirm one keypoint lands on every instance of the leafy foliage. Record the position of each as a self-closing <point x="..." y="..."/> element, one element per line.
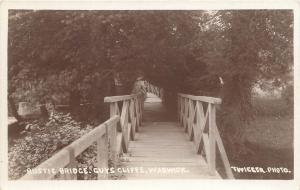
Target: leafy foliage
<point x="75" y="55"/>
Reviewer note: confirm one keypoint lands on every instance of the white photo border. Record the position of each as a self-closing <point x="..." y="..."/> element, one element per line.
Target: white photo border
<point x="146" y="5"/>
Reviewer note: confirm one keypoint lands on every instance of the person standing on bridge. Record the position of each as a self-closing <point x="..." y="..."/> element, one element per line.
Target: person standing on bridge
<point x="139" y="86"/>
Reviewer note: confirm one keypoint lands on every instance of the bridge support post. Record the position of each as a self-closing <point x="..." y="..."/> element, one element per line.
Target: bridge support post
<point x="112" y="146"/>
<point x="102" y="154"/>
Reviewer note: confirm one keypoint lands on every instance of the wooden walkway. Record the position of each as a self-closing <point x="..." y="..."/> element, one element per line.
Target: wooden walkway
<point x="162" y="150"/>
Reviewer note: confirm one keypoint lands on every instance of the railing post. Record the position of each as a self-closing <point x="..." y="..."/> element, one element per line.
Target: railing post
<point x="70" y="166"/>
<point x="112" y="108"/>
<point x="112" y="136"/>
<point x="124" y="125"/>
<point x="136" y="108"/>
<point x="141" y="107"/>
<point x="102" y="154"/>
<point x="186" y="112"/>
<point x="212" y="139"/>
<point x="178" y="107"/>
<point x="181" y="110"/>
<point x="132" y="119"/>
<point x="191" y="119"/>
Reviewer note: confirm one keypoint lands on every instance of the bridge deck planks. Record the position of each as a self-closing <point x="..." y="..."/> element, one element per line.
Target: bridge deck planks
<point x="162" y="144"/>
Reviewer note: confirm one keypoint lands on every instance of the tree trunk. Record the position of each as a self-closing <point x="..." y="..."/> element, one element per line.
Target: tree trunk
<point x="74" y="100"/>
<point x="44" y="111"/>
<point x="236" y="112"/>
<point x="13" y="107"/>
<point x="111" y="85"/>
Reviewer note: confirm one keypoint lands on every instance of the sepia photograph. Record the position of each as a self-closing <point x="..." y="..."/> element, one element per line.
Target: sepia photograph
<point x="150" y="94"/>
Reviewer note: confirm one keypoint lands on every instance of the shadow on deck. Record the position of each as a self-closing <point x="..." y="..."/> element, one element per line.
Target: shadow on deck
<point x="154" y="110"/>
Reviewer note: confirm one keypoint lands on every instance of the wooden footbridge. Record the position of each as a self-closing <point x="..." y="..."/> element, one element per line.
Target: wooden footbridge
<point x="141" y="140"/>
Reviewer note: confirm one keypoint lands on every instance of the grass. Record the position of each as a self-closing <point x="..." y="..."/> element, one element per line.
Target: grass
<point x="269" y="138"/>
<point x="273" y="132"/>
<point x="272" y="106"/>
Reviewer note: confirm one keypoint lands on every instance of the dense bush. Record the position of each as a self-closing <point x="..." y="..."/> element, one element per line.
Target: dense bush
<point x="43" y="139"/>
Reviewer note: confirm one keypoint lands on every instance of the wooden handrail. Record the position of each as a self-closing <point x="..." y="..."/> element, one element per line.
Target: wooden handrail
<point x="202" y="98"/>
<point x="202" y="128"/>
<point x="67" y="155"/>
<point x="119" y="98"/>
